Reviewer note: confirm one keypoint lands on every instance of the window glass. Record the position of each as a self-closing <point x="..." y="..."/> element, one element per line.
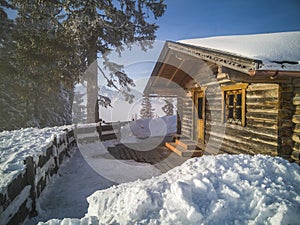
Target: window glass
<point x="200" y="108"/>
<point x="233" y="106"/>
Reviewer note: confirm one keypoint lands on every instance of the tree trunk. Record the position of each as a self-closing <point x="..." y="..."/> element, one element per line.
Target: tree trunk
<point x="92" y="84"/>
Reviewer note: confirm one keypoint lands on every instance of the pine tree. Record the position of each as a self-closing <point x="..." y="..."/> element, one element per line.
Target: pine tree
<point x="10" y="105"/>
<point x="168" y="108"/>
<point x="98" y="26"/>
<point x="147" y="112"/>
<point x="52" y="45"/>
<point x="79" y="112"/>
<point x="45" y="65"/>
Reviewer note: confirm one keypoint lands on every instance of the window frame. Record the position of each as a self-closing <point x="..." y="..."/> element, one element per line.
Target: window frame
<point x="237" y="87"/>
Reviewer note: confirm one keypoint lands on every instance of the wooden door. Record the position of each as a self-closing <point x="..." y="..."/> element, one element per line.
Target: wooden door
<point x="199" y="115"/>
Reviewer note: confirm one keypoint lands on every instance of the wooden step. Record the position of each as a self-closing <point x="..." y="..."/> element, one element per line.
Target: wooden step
<point x="179" y="150"/>
<point x="187" y="144"/>
<point x="86" y="128"/>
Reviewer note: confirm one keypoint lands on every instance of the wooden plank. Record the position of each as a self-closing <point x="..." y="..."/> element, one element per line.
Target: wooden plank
<point x="161" y="167"/>
<point x="154" y="157"/>
<point x="107" y="137"/>
<point x="166" y="162"/>
<point x="140" y="156"/>
<point x="262" y="116"/>
<point x="126" y="154"/>
<point x="122" y="153"/>
<point x="183" y="152"/>
<point x="132" y="154"/>
<point x="187" y="144"/>
<point x="259" y="86"/>
<point x="107" y="127"/>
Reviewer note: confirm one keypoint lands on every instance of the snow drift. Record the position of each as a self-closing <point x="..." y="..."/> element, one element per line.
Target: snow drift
<point x="16" y="145"/>
<point x="226" y="189"/>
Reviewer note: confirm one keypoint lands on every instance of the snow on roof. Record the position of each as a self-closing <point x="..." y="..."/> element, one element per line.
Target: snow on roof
<point x="277" y="51"/>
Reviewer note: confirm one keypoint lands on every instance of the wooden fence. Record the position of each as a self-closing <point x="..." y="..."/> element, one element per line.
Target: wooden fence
<point x="18" y="199"/>
<point x="86" y="133"/>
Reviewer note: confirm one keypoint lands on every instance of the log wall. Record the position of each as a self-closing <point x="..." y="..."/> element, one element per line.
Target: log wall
<point x="187" y="117"/>
<point x="260" y="133"/>
<point x="285" y="117"/>
<point x="268" y="115"/>
<point x="295" y="155"/>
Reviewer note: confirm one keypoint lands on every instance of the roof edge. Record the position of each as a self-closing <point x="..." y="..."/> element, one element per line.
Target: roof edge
<point x="273" y="74"/>
<point x="226" y="59"/>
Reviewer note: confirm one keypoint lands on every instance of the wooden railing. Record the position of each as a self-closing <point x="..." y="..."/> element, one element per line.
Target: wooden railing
<point x="18" y="199"/>
<point x="103" y="131"/>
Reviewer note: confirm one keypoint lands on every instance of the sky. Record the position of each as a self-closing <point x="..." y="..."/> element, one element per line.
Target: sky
<point x="185" y="19"/>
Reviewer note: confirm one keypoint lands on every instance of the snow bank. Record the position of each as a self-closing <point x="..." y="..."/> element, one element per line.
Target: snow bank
<point x="266" y="47"/>
<point x="226" y="189"/>
<point x="16" y="145"/>
<point x="117" y="171"/>
<point x="145" y="128"/>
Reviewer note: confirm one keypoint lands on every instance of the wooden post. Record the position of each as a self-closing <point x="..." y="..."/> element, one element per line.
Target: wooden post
<point x="30" y="173"/>
<point x="75" y="133"/>
<point x="55" y="153"/>
<point x="68" y="142"/>
<point x="178" y="123"/>
<point x="99" y="129"/>
<point x="118" y="134"/>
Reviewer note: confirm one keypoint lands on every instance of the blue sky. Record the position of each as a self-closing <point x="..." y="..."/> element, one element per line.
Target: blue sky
<point x="186" y="19"/>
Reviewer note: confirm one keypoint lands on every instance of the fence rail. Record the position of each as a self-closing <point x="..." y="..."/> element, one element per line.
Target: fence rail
<point x="86" y="133"/>
<point x="18" y="198"/>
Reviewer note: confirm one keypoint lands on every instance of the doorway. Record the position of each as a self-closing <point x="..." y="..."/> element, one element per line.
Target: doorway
<point x="199" y="121"/>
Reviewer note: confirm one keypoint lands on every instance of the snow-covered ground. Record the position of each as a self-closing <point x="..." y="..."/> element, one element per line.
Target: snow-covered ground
<point x="95" y="188"/>
<point x="223" y="189"/>
<point x="269" y="48"/>
<point x="66" y="195"/>
<point x="90" y="169"/>
<point x="16" y="145"/>
<point x="115" y="170"/>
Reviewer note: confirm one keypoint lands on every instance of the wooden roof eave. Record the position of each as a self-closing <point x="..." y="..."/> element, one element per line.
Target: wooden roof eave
<point x="275" y="74"/>
<point x="249" y="68"/>
<point x="226" y="59"/>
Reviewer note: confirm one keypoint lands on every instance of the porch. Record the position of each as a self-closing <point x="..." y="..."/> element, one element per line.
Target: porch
<point x="160" y="157"/>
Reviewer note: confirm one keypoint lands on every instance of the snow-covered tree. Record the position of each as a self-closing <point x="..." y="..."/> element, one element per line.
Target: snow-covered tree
<point x="168" y="108"/>
<point x="44" y="65"/>
<point x="146" y="111"/>
<point x="98" y="26"/>
<point x="56" y="42"/>
<point x="10" y="104"/>
<point x="79" y="112"/>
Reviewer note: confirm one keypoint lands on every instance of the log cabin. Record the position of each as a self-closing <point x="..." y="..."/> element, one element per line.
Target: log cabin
<point x="235" y="94"/>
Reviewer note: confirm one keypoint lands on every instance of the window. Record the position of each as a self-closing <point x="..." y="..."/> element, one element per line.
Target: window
<point x="200" y="108"/>
<point x="234" y="106"/>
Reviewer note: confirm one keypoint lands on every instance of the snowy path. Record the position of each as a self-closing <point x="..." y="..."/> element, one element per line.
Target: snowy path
<point x="80" y="177"/>
<point x="66" y="196"/>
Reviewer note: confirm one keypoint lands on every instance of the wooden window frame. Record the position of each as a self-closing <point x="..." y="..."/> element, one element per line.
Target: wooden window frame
<point x="237" y="87"/>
